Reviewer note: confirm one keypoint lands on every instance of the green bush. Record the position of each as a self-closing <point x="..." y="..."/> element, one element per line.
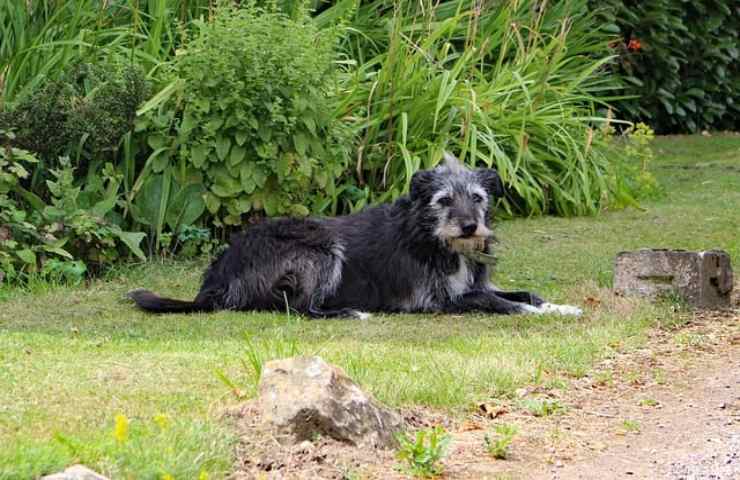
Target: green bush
<point x="511" y="86"/>
<point x="251" y="112"/>
<point x="83" y="113"/>
<point x="61" y="240"/>
<point x="680" y="60"/>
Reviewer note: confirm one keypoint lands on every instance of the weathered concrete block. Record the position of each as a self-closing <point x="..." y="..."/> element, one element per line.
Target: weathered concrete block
<point x="703" y="279"/>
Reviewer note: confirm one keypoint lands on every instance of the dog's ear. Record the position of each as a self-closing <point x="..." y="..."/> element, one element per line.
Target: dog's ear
<point x="491" y="181"/>
<point x="421" y="185"/>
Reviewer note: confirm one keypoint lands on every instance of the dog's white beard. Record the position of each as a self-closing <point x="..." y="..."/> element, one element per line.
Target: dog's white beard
<point x="546" y="308"/>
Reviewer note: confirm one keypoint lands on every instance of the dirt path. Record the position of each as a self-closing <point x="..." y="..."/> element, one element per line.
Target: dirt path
<point x="695" y="434"/>
<point x="668" y="411"/>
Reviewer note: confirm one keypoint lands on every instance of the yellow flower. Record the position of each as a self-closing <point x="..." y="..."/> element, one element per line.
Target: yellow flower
<point x="162" y="421"/>
<point x="203" y="475"/>
<point x="120" y="431"/>
<point x="167" y="476"/>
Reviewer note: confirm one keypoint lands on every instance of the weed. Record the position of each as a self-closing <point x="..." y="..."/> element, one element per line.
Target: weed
<point x="688" y="339"/>
<point x="604" y="378"/>
<point x="633" y="377"/>
<point x="422" y="455"/>
<point x="498" y="447"/>
<point x="543" y="407"/>
<point x="660" y="376"/>
<point x="631" y="426"/>
<point x="259" y="351"/>
<point x="648" y="402"/>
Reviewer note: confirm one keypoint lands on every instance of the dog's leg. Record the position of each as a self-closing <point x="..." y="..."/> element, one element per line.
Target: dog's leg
<point x="484" y="301"/>
<point x="540" y="305"/>
<point x="520" y="297"/>
<point x="493" y="302"/>
<point x="315" y="312"/>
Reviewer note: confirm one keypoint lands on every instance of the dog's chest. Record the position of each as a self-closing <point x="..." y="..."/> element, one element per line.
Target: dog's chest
<point x="460" y="281"/>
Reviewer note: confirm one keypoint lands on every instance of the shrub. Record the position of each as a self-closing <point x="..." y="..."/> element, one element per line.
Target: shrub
<point x="680" y="61"/>
<point x="514" y="86"/>
<point x="60" y="240"/>
<point x="85" y="112"/>
<point x="252" y="112"/>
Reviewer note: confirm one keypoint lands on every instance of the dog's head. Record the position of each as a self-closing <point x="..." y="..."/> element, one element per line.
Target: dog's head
<point x="456" y="199"/>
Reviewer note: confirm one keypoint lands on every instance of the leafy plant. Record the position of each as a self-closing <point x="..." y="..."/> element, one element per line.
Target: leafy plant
<point x="679" y="61"/>
<point x="498" y="446"/>
<point x="422" y="455"/>
<point x="543" y="407"/>
<point x="631" y="156"/>
<point x="57" y="240"/>
<point x="631" y="426"/>
<point x="249" y="108"/>
<point x="79" y="215"/>
<point x="515" y="85"/>
<point x="84" y="113"/>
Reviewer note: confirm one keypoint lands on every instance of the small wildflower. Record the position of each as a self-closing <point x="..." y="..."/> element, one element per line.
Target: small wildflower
<point x="634" y="45"/>
<point x="203" y="475"/>
<point x="167" y="476"/>
<point x="162" y="421"/>
<point x="120" y="431"/>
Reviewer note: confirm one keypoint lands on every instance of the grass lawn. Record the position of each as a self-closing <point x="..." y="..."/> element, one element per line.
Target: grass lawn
<point x="72" y="359"/>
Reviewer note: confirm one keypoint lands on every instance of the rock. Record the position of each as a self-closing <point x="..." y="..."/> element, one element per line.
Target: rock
<point x="75" y="472"/>
<point x="703" y="279"/>
<point x="302" y="397"/>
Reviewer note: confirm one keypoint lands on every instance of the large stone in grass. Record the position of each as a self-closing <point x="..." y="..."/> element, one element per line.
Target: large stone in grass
<point x="304" y="396"/>
<point x="75" y="472"/>
<point x="703" y="279"/>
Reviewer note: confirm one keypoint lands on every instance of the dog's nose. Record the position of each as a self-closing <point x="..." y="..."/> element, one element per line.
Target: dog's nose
<point x="469" y="229"/>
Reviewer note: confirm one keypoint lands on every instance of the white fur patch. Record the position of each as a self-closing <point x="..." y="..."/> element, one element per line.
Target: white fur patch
<point x="363" y="315"/>
<point x="459" y="282"/>
<point x="546" y="308"/>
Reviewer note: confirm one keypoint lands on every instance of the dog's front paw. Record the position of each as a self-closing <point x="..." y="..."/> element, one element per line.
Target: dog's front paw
<point x="546" y="308"/>
<point x="561" y="309"/>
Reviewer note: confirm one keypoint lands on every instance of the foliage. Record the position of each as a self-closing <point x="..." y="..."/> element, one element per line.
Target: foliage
<point x="632" y="157"/>
<point x="498" y="446"/>
<point x="82" y="215"/>
<point x="542" y="407"/>
<point x="251" y="112"/>
<point x="157" y="447"/>
<point x="259" y="112"/>
<point x="85" y="112"/>
<point x="680" y="62"/>
<point x="42" y="37"/>
<point x="510" y="86"/>
<point x="52" y="239"/>
<point x="421" y="456"/>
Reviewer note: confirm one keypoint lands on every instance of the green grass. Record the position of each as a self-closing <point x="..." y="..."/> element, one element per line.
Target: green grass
<point x="71" y="359"/>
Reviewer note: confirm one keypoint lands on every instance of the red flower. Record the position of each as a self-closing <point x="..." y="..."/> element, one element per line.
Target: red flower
<point x="634" y="45"/>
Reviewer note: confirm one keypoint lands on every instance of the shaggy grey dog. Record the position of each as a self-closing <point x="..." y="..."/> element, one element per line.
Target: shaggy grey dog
<point x="399" y="257"/>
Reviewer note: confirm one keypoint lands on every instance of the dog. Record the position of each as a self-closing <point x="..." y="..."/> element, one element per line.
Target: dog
<point x="407" y="256"/>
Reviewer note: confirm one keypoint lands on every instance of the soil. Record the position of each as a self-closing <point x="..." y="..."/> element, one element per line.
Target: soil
<point x="668" y="411"/>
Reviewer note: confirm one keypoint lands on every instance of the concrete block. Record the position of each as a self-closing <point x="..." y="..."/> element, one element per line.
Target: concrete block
<point x="703" y="279"/>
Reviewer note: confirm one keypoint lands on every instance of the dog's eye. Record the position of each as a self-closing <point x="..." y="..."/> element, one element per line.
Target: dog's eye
<point x="445" y="201"/>
<point x="477" y="198"/>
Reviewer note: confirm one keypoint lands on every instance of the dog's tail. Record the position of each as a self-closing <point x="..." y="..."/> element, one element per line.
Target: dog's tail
<point x="152" y="302"/>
